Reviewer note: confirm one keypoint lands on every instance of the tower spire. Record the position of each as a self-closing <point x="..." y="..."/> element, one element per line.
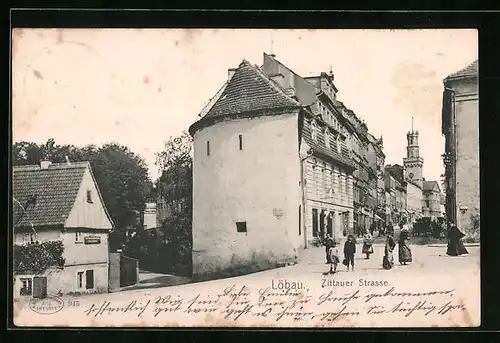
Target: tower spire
<point x="411" y="124"/>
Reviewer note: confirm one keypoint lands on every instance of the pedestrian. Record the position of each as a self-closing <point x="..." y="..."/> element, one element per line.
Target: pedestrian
<point x="367" y="245"/>
<point x="349" y="251"/>
<point x="333" y="256"/>
<point x="404" y="247"/>
<point x="329" y="242"/>
<point x="455" y="245"/>
<point x="390" y="244"/>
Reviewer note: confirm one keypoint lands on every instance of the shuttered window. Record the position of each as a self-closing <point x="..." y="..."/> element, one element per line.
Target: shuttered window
<point x="89" y="279"/>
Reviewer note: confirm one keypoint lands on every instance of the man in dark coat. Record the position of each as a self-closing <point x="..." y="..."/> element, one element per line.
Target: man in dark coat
<point x="349" y="251"/>
<point x="455" y="245"/>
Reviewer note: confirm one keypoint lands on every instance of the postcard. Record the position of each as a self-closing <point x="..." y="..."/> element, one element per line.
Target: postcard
<point x="245" y="178"/>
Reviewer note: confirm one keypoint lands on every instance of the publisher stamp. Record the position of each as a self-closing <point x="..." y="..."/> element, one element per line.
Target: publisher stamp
<point x="46" y="306"/>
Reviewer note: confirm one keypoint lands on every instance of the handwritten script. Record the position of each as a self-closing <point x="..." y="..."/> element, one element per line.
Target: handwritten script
<point x="240" y="304"/>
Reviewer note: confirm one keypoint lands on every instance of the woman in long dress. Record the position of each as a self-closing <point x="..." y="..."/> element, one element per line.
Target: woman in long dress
<point x="390" y="244"/>
<point x="455" y="245"/>
<point x="404" y="248"/>
<point x="367" y="245"/>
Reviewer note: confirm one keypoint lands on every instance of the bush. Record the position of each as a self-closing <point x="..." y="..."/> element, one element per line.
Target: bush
<point x="37" y="258"/>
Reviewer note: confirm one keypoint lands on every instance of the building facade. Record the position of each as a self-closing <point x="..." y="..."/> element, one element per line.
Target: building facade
<point x="274" y="169"/>
<point x="460" y="126"/>
<point x="61" y="202"/>
<point x="432" y="200"/>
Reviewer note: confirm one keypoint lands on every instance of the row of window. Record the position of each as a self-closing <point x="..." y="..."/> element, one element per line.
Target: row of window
<point x="84" y="280"/>
<point x="240" y="144"/>
<point x="327" y="137"/>
<point x="325" y="181"/>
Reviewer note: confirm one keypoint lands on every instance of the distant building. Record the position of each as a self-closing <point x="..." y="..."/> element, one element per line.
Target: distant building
<point x="62" y="202"/>
<point x="432" y="200"/>
<point x="149" y="217"/>
<point x="460" y="126"/>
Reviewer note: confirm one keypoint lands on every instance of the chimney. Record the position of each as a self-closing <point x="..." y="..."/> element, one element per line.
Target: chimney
<point x="230" y="73"/>
<point x="45" y="164"/>
<point x="67" y="160"/>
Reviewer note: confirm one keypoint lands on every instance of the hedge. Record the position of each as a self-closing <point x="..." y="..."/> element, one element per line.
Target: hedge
<point x="38" y="257"/>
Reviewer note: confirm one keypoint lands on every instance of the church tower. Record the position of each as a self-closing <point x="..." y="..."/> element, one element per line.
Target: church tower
<point x="413" y="163"/>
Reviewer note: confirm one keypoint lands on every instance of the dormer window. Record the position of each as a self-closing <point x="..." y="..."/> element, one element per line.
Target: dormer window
<point x="314" y="130"/>
<point x="327" y="138"/>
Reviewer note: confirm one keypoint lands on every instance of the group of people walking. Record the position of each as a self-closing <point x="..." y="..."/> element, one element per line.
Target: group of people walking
<point x="455" y="248"/>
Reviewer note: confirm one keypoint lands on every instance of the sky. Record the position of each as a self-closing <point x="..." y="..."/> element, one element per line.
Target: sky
<point x="138" y="87"/>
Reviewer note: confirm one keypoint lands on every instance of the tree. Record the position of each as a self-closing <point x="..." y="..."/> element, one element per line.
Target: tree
<point x="121" y="175"/>
<point x="175" y="186"/>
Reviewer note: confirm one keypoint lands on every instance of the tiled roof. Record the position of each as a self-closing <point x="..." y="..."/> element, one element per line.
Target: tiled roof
<point x="319" y="146"/>
<point x="470" y="70"/>
<point x="250" y="90"/>
<point x="53" y="190"/>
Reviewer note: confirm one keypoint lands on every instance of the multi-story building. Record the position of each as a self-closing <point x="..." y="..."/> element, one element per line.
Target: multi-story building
<point x="376" y="163"/>
<point x="432" y="200"/>
<point x="399" y="209"/>
<point x="460" y="126"/>
<point x="275" y="157"/>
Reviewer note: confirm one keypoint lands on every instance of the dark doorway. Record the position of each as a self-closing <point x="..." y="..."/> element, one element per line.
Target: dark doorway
<point x="329" y="224"/>
<point x="322" y="224"/>
<point x="315" y="222"/>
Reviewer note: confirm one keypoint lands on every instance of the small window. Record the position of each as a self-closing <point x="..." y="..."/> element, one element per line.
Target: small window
<point x="79" y="280"/>
<point x="89" y="196"/>
<point x="27" y="286"/>
<point x="241" y="141"/>
<point x="78" y="237"/>
<point x="241" y="226"/>
<point x="29" y="238"/>
<point x="208" y="148"/>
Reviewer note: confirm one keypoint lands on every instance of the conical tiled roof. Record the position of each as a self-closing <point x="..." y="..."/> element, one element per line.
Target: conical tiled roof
<point x="249" y="90"/>
<point x="470" y="70"/>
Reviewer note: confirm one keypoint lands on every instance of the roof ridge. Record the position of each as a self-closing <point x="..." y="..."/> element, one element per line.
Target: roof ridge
<point x="53" y="166"/>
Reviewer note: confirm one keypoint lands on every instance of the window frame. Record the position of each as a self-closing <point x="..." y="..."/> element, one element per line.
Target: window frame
<point x="29" y="281"/>
<point x="241" y="227"/>
<point x="314" y="131"/>
<point x="80" y="281"/>
<point x="79" y="239"/>
<point x="89" y="196"/>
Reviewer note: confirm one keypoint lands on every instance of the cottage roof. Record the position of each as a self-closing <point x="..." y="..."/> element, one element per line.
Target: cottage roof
<point x="47" y="195"/>
<point x="249" y="90"/>
<point x="470" y="70"/>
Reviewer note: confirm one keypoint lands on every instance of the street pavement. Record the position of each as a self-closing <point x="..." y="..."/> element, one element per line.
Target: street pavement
<point x="431" y="270"/>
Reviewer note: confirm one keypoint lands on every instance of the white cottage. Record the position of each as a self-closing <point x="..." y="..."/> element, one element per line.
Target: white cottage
<point x="62" y="201"/>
